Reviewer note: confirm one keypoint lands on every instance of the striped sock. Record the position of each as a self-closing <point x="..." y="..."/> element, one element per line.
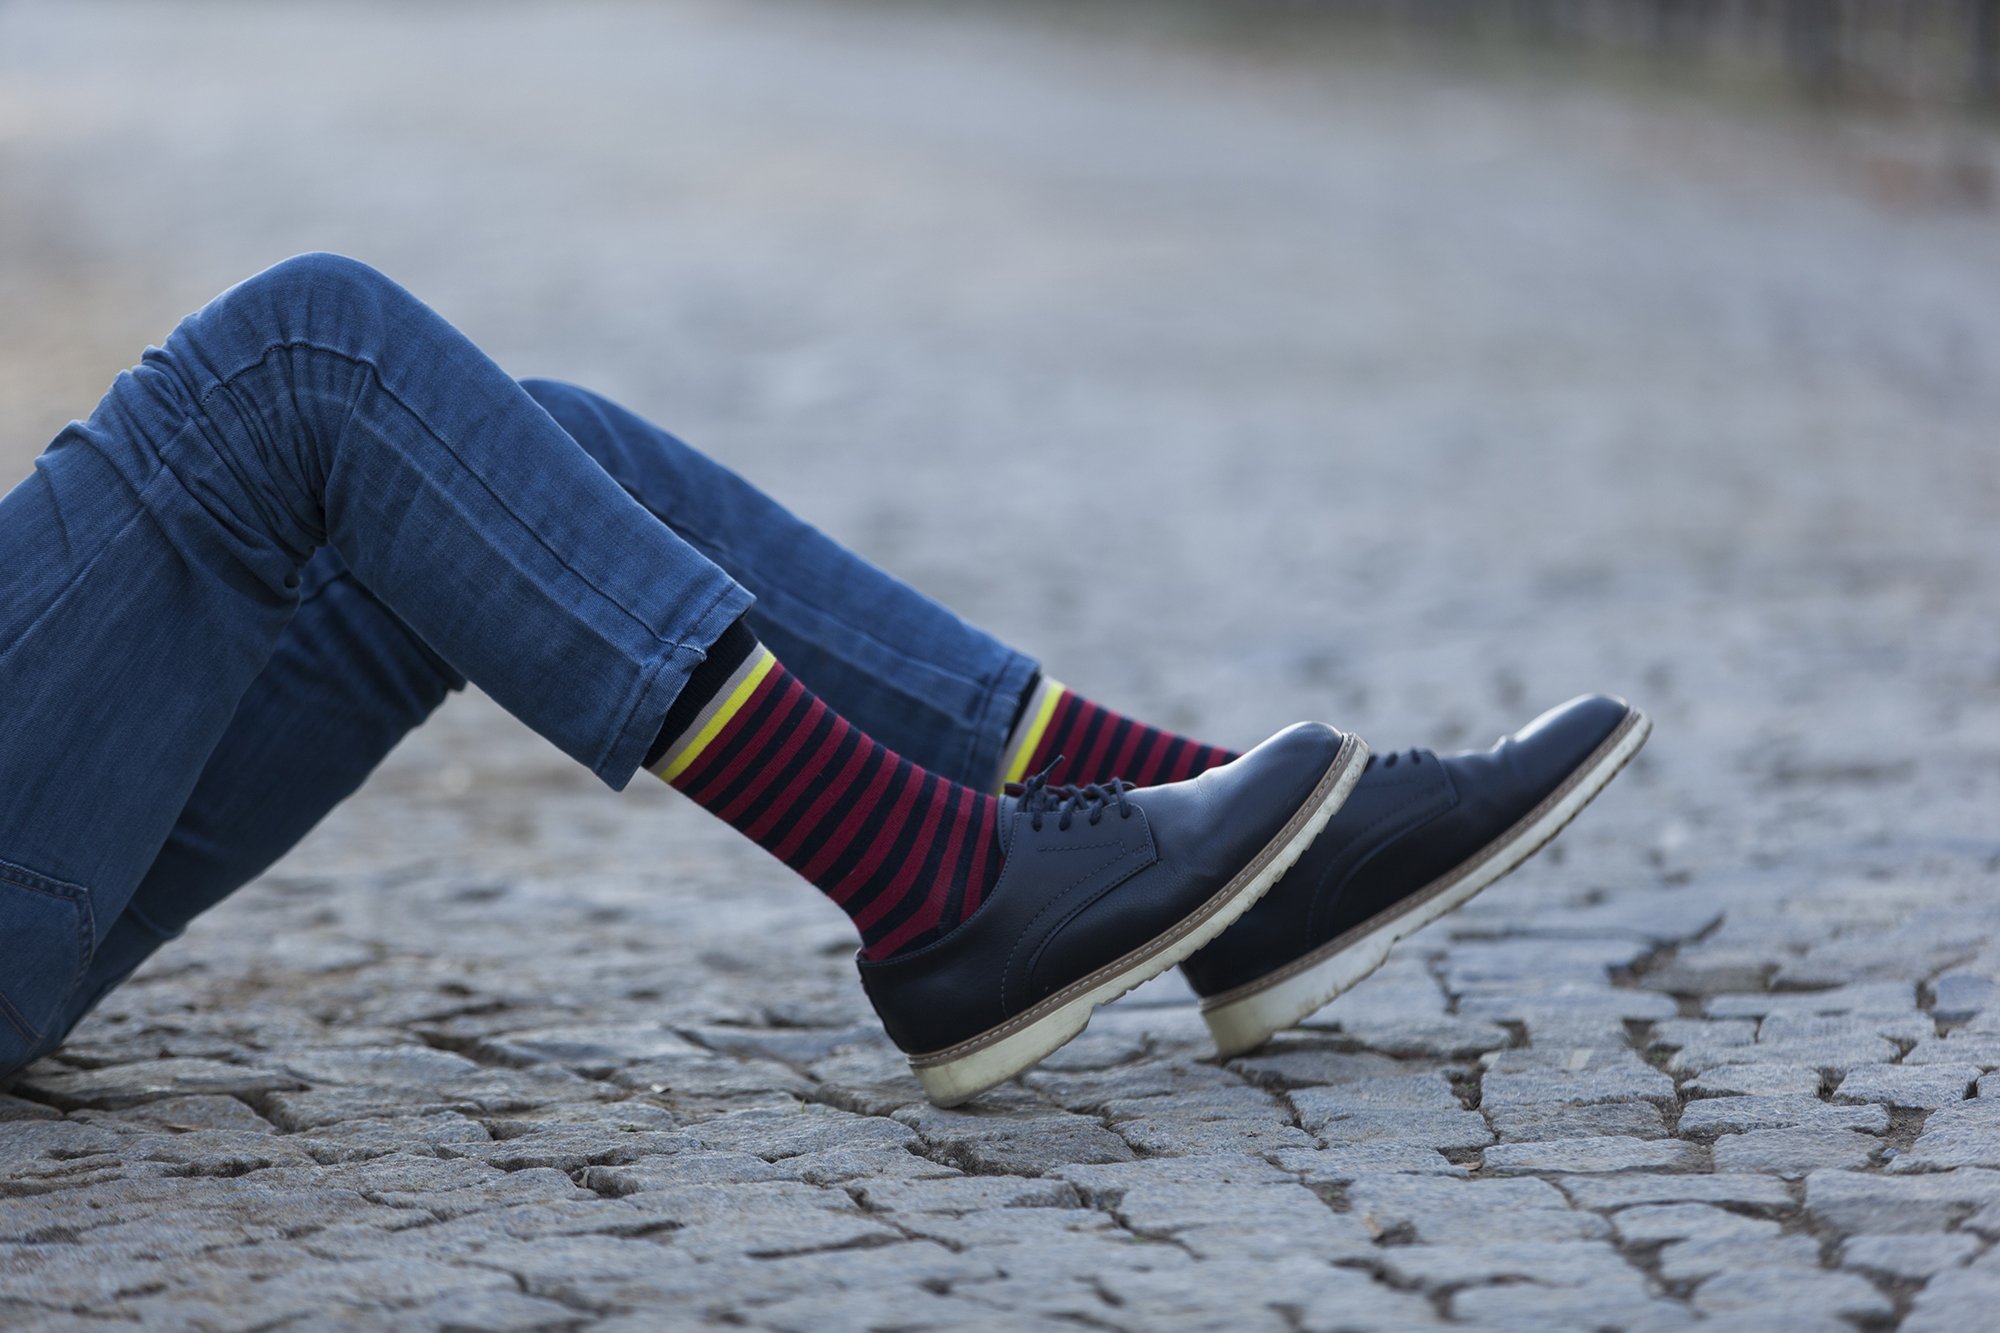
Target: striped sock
<point x="904" y="853"/>
<point x="1098" y="744"/>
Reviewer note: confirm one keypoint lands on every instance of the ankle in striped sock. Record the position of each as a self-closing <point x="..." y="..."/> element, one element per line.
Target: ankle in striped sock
<point x="1097" y="743"/>
<point x="905" y="853"/>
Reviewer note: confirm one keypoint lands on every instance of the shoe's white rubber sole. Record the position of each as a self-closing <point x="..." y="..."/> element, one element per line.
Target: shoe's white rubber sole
<point x="1245" y="1018"/>
<point x="954" y="1075"/>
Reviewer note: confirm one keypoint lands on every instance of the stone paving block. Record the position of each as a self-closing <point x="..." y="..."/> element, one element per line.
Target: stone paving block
<point x="296" y="1111"/>
<point x="1007" y="1226"/>
<point x="1712" y="1032"/>
<point x="1578" y="1263"/>
<point x="964" y="1194"/>
<point x="1422" y="1128"/>
<point x="1737" y="1115"/>
<point x="1105" y="1183"/>
<point x="1787" y="1028"/>
<point x="441" y="1134"/>
<point x="1695" y="1258"/>
<point x="1093" y="1090"/>
<point x="1577" y="1076"/>
<point x="1855" y="1202"/>
<point x="589" y="1271"/>
<point x="867" y="1311"/>
<point x="1959" y="994"/>
<point x="1641" y="1120"/>
<point x="778" y="1134"/>
<point x="1171" y="1136"/>
<point x="1240" y="1104"/>
<point x="1791" y="1153"/>
<point x="1872" y="998"/>
<point x="1296" y="1059"/>
<point x="1607" y="1153"/>
<point x="1910" y="1257"/>
<point x="1958" y="1048"/>
<point x="1786" y="1294"/>
<point x="1416" y="1090"/>
<point x="837" y="1166"/>
<point x="685" y="1168"/>
<point x="1550" y="1009"/>
<point x="590" y="1049"/>
<point x="1648" y="1224"/>
<point x="1964" y="1134"/>
<point x="491" y="1311"/>
<point x="764" y="1220"/>
<point x="1013" y="1142"/>
<point x="381" y="1066"/>
<point x="176" y="1114"/>
<point x="1478" y="1212"/>
<point x="1758" y="1080"/>
<point x="1446" y="1037"/>
<point x="717" y="1077"/>
<point x="1336" y="1166"/>
<point x="1526" y="1305"/>
<point x="1638" y="1188"/>
<point x="25" y="1141"/>
<point x="1923" y="1087"/>
<point x="1256" y="1222"/>
<point x="219" y="1152"/>
<point x="1302" y="1293"/>
<point x="1954" y="1301"/>
<point x="148" y="1080"/>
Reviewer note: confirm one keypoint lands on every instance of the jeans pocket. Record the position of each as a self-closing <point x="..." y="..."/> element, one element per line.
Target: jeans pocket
<point x="45" y="938"/>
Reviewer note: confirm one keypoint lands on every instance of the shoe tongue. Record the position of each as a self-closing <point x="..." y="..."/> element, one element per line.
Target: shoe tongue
<point x="1004" y="820"/>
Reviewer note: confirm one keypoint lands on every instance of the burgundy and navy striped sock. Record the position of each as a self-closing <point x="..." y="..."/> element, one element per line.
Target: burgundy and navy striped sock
<point x="904" y="852"/>
<point x="1098" y="744"/>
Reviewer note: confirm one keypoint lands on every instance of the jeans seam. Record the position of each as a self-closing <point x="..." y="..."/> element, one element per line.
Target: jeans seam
<point x="375" y="373"/>
<point x="63" y="891"/>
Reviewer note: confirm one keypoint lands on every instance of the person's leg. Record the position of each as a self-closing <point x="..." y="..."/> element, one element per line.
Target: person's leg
<point x="911" y="673"/>
<point x="321" y="404"/>
<point x="151" y="562"/>
<point x="348" y="678"/>
<point x="346" y="682"/>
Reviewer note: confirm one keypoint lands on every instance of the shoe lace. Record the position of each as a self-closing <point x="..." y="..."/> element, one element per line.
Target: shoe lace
<point x="1041" y="797"/>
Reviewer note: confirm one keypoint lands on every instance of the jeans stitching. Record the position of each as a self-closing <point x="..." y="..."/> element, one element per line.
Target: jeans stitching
<point x="76" y="897"/>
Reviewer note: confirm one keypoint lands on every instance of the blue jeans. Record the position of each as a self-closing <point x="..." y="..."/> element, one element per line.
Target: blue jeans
<point x="286" y="535"/>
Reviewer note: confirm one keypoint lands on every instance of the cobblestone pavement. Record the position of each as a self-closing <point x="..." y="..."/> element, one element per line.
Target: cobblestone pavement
<point x="1242" y="384"/>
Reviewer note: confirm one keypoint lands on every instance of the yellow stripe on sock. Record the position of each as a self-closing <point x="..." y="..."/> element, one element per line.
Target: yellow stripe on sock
<point x="677" y="763"/>
<point x="1024" y="749"/>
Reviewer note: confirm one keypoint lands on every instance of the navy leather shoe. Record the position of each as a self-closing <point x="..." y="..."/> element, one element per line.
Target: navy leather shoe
<point x="1100" y="888"/>
<point x="1422" y="834"/>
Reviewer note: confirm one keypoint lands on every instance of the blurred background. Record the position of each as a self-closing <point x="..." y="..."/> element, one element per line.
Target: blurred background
<point x="1413" y="365"/>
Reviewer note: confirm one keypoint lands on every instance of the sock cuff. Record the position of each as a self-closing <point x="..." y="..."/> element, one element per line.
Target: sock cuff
<point x="1032" y="725"/>
<point x="709" y="686"/>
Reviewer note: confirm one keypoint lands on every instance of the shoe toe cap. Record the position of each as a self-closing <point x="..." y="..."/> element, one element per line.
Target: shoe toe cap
<point x="1560" y="739"/>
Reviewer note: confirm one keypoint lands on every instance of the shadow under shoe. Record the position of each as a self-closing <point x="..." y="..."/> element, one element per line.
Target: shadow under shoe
<point x="1422" y="834"/>
<point x="1101" y="888"/>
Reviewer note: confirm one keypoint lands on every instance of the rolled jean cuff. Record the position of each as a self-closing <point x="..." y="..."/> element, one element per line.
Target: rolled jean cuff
<point x="986" y="741"/>
<point x="663" y="682"/>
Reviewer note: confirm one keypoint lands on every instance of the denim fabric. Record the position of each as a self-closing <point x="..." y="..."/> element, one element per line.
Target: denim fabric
<point x="347" y="676"/>
<point x="152" y="563"/>
<point x="906" y="670"/>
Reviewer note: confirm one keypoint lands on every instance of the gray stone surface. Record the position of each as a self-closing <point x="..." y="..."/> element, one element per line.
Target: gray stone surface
<point x="1793" y="1152"/>
<point x="1921" y="1087"/>
<point x="496" y="1049"/>
<point x="1605" y="1153"/>
<point x="1912" y="1257"/>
